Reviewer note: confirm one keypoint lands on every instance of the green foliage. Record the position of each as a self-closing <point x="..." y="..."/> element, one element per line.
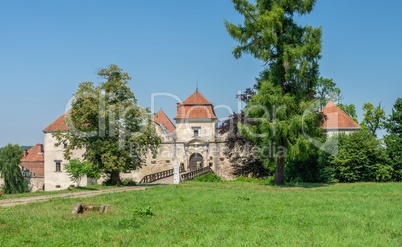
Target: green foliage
<point x="209" y="177"/>
<point x="106" y="121"/>
<point x="309" y="169"/>
<point x="374" y="118"/>
<point x="326" y="90"/>
<point x="128" y="182"/>
<point x="360" y="157"/>
<point x="280" y="122"/>
<point x="393" y="139"/>
<point x="10" y="158"/>
<point x="284" y="90"/>
<point x="78" y="169"/>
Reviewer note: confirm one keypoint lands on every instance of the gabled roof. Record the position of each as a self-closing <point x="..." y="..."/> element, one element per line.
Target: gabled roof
<point x="58" y="125"/>
<point x="33" y="160"/>
<point x="336" y="119"/>
<point x="196" y="99"/>
<point x="162" y="119"/>
<point x="196" y="106"/>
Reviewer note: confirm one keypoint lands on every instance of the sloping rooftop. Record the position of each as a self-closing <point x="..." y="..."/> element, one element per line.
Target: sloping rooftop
<point x="162" y="119"/>
<point x="336" y="119"/>
<point x="33" y="160"/>
<point x="58" y="125"/>
<point x="196" y="99"/>
<point x="196" y="106"/>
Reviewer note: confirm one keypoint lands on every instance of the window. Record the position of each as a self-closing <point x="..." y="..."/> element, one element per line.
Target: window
<point x="65" y="145"/>
<point x="196" y="131"/>
<point x="58" y="165"/>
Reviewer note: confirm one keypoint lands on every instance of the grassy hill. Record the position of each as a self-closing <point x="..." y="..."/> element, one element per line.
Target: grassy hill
<point x="216" y="214"/>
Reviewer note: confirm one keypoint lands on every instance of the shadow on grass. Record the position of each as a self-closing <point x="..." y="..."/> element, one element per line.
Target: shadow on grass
<point x="303" y="185"/>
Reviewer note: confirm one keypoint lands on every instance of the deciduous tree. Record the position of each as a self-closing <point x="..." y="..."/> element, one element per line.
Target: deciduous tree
<point x="106" y="121"/>
<point x="78" y="169"/>
<point x="327" y="90"/>
<point x="360" y="157"/>
<point x="10" y="159"/>
<point x="350" y="110"/>
<point x="373" y="118"/>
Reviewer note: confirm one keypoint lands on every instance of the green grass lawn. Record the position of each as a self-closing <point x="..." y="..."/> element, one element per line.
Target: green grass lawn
<point x="216" y="214"/>
<point x="49" y="193"/>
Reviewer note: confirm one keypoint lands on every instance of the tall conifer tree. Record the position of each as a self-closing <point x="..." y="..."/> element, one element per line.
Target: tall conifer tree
<point x="285" y="88"/>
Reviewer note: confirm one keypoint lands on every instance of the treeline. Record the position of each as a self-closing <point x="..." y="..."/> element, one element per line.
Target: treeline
<point x="286" y="89"/>
<point x="356" y="157"/>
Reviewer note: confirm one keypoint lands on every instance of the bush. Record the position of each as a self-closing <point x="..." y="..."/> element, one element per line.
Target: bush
<point x="308" y="170"/>
<point x="128" y="182"/>
<point x="209" y="177"/>
<point x="360" y="158"/>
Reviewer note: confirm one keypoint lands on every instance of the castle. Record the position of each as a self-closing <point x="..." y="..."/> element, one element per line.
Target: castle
<point x="193" y="142"/>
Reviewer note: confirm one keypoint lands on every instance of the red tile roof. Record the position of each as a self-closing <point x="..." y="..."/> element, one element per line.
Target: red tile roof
<point x="33" y="160"/>
<point x="196" y="106"/>
<point x="196" y="99"/>
<point x="58" y="125"/>
<point x="336" y="119"/>
<point x="162" y="119"/>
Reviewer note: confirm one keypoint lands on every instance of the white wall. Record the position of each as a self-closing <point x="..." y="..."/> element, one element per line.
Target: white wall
<point x="185" y="131"/>
<point x="57" y="180"/>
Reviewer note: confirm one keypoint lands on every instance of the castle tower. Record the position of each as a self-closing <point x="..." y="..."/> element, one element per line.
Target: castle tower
<point x="195" y="119"/>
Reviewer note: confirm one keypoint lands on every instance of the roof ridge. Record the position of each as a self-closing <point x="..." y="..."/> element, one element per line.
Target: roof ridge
<point x="58" y="124"/>
<point x="164" y="117"/>
<point x="197" y="98"/>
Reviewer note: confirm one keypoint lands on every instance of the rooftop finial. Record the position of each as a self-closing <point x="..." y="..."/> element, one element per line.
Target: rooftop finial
<point x="196" y="89"/>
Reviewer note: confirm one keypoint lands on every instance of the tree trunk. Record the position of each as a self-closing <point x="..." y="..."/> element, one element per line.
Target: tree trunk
<point x="279" y="177"/>
<point x="115" y="178"/>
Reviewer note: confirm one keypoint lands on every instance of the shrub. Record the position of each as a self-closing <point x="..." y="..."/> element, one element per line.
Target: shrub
<point x="128" y="182"/>
<point x="209" y="177"/>
<point x="360" y="157"/>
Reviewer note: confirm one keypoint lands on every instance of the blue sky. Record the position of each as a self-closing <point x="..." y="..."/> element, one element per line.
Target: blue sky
<point x="48" y="47"/>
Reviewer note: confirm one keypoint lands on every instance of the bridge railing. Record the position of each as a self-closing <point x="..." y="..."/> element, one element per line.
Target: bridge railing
<point x="159" y="175"/>
<point x="196" y="173"/>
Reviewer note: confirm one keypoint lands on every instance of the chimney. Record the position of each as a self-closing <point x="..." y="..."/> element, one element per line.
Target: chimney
<point x="25" y="153"/>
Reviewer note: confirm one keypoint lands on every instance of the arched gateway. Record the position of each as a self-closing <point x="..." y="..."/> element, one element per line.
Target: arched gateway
<point x="196" y="161"/>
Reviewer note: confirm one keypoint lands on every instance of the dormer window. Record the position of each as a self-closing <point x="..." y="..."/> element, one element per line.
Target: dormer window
<point x="196" y="131"/>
